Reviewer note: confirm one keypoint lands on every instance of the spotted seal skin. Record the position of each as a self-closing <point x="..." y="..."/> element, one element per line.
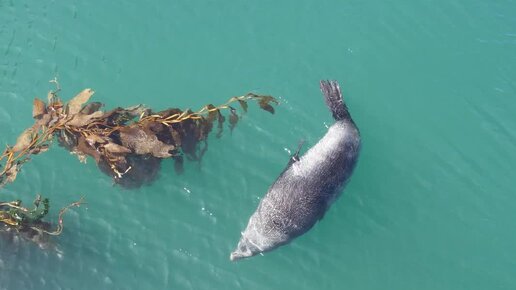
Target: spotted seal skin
<point x="308" y="185"/>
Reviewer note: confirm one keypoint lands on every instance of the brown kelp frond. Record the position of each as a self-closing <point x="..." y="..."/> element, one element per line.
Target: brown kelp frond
<point x="60" y="224"/>
<point x="126" y="143"/>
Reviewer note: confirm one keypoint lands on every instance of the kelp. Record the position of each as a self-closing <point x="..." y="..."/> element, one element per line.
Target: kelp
<point x="128" y="144"/>
<point x="29" y="222"/>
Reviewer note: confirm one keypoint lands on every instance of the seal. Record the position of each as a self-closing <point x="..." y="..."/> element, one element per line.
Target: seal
<point x="307" y="187"/>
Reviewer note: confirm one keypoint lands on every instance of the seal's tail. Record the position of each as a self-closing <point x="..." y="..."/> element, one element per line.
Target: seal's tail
<point x="334" y="101"/>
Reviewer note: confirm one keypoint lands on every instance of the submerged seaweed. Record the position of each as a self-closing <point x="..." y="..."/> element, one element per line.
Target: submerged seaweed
<point x="127" y="144"/>
<point x="28" y="222"/>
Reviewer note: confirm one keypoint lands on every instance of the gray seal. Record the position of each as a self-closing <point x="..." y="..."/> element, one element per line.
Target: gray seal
<point x="307" y="187"/>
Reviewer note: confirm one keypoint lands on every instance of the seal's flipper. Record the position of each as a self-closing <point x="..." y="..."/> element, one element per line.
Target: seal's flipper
<point x="334" y="101"/>
<point x="294" y="158"/>
<point x="296" y="155"/>
<point x="291" y="161"/>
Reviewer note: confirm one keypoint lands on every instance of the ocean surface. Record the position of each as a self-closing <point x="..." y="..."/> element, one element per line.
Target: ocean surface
<point x="431" y="85"/>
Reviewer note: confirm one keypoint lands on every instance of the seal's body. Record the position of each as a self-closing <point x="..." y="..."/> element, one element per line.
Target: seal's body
<point x="307" y="187"/>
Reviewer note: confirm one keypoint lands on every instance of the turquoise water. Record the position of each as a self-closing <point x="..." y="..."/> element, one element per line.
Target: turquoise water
<point x="431" y="84"/>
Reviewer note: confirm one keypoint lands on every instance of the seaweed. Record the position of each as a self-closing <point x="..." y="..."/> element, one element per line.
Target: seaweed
<point x="123" y="139"/>
<point x="128" y="144"/>
<point x="28" y="221"/>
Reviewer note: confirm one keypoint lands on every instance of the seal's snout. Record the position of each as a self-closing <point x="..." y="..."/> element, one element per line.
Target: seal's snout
<point x="242" y="251"/>
<point x="237" y="255"/>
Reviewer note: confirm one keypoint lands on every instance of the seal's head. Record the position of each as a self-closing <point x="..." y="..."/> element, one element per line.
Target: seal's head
<point x="261" y="235"/>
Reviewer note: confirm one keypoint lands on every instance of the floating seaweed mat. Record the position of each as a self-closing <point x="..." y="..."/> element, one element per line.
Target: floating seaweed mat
<point x="128" y="144"/>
